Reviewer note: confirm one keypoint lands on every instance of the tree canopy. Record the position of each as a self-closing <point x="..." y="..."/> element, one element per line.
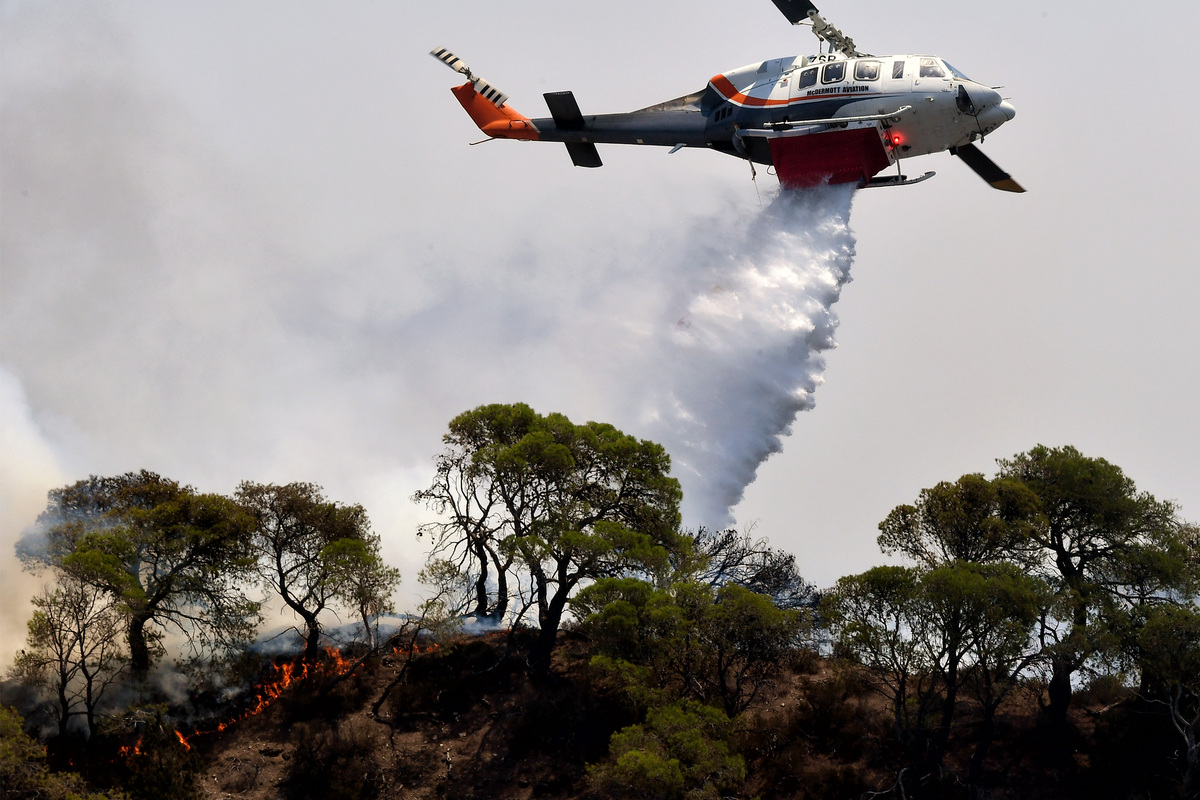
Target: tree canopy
<point x="551" y="504"/>
<point x="316" y="553"/>
<point x="172" y="557"/>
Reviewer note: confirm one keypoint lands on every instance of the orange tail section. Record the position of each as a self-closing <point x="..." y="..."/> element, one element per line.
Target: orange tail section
<point x="499" y="123"/>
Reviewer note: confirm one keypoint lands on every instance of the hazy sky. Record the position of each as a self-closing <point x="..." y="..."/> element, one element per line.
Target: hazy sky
<point x="250" y="241"/>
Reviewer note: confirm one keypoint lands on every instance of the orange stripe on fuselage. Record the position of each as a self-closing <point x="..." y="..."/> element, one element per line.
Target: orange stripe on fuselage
<point x="499" y="123"/>
<point x="730" y="93"/>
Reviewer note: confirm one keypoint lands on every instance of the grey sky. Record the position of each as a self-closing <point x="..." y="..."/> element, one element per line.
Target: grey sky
<point x="250" y="241"/>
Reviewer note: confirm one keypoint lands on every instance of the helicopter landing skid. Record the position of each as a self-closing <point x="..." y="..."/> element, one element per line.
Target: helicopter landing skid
<point x="896" y="180"/>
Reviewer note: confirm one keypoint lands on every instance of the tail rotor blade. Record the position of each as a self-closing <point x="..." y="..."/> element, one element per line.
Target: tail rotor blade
<point x="489" y="92"/>
<point x="986" y="168"/>
<point x="450" y="60"/>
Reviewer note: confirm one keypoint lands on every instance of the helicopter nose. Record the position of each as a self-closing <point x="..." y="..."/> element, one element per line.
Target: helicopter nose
<point x="985" y="96"/>
<point x="1007" y="108"/>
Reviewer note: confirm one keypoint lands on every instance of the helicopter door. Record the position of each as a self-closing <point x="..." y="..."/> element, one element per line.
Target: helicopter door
<point x="931" y="76"/>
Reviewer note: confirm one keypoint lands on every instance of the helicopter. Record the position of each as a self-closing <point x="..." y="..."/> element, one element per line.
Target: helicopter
<point x="839" y="116"/>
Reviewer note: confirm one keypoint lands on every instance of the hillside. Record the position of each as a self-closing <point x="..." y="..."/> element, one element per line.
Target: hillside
<point x="470" y="722"/>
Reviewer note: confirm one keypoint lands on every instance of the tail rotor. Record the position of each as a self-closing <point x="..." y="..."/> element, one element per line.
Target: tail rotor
<point x="485" y="89"/>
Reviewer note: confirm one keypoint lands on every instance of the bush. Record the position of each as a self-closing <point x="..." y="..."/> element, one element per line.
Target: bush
<point x="333" y="763"/>
<point x="23" y="772"/>
<point x="682" y="751"/>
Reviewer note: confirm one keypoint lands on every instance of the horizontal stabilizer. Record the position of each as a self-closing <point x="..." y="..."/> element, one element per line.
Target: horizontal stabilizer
<point x="584" y="154"/>
<point x="796" y="11"/>
<point x="565" y="110"/>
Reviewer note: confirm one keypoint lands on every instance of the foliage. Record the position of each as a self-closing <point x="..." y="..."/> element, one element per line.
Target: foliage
<point x="727" y="556"/>
<point x="973" y="519"/>
<point x="683" y="750"/>
<point x="333" y="762"/>
<point x="566" y="503"/>
<point x="171" y="557"/>
<point x="73" y="649"/>
<point x="315" y="553"/>
<point x="927" y="635"/>
<point x="23" y="773"/>
<point x="1108" y="550"/>
<point x="155" y="763"/>
<point x="1170" y="654"/>
<point x="719" y="646"/>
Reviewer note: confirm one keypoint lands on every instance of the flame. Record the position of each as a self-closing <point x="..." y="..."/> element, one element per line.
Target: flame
<point x="183" y="741"/>
<point x="126" y="751"/>
<point x="282" y="676"/>
<point x="415" y="649"/>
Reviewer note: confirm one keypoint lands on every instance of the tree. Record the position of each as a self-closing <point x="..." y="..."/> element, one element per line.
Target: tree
<point x="871" y="617"/>
<point x="1007" y="604"/>
<point x="171" y="557"/>
<point x="730" y="557"/>
<point x="718" y="646"/>
<point x="316" y="554"/>
<point x="1102" y="543"/>
<point x="1170" y="655"/>
<point x="73" y="649"/>
<point x="973" y="519"/>
<point x="567" y="503"/>
<point x="365" y="583"/>
<point x="926" y="634"/>
<point x="466" y="489"/>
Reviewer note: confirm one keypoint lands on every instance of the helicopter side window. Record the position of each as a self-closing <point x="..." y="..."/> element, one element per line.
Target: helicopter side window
<point x="930" y="68"/>
<point x="833" y="72"/>
<point x="866" y="71"/>
<point x="897" y="70"/>
<point x="807" y="78"/>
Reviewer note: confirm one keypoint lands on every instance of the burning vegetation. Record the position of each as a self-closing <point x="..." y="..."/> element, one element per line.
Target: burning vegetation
<point x="1044" y="641"/>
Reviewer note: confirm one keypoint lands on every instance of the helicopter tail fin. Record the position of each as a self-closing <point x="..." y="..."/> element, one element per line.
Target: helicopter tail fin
<point x="486" y="104"/>
<point x="499" y="122"/>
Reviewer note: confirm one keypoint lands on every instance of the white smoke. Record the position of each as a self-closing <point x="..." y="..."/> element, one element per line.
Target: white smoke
<point x="28" y="468"/>
<point x="742" y="357"/>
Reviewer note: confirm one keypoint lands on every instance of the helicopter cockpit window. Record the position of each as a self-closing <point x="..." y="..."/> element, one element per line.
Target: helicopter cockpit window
<point x="833" y="72"/>
<point x="807" y="78"/>
<point x="955" y="72"/>
<point x="866" y="71"/>
<point x="930" y="68"/>
<point x="897" y="70"/>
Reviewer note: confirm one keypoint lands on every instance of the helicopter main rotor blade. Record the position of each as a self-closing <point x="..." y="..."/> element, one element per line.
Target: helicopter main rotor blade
<point x="986" y="168"/>
<point x="795" y="10"/>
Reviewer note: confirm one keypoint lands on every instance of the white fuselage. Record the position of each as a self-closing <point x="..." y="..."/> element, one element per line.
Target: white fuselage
<point x="945" y="108"/>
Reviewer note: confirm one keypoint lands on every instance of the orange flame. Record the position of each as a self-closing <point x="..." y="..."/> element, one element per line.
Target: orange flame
<point x="416" y="649"/>
<point x="126" y="751"/>
<point x="183" y="741"/>
<point x="283" y="676"/>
